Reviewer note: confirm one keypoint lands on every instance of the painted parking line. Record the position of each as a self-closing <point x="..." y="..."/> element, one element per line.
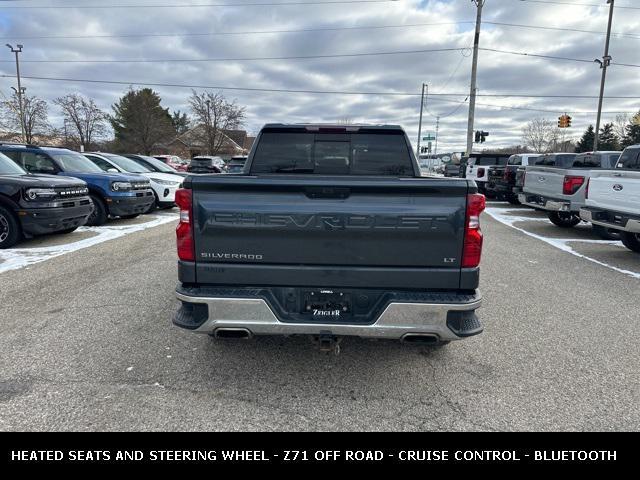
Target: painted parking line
<point x="510" y="217"/>
<point x="14" y="258"/>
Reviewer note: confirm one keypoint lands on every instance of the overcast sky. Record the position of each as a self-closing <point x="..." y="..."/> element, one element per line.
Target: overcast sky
<point x="444" y="72"/>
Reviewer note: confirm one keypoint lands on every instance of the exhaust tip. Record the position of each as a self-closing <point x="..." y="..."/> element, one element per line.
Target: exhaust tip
<point x="239" y="333"/>
<point x="421" y="338"/>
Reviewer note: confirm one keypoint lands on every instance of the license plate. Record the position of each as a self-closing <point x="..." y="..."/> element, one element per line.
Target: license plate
<point x="326" y="303"/>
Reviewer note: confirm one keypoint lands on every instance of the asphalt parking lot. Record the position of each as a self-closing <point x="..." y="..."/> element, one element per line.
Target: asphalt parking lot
<point x="87" y="344"/>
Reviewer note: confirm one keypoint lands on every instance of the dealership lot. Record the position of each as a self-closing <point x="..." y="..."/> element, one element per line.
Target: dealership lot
<point x="88" y="344"/>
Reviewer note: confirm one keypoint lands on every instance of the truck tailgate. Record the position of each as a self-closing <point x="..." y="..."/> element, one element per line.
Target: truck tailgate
<point x="616" y="190"/>
<point x="329" y="231"/>
<point x="544" y="181"/>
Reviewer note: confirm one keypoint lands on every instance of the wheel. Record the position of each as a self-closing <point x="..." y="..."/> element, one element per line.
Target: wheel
<point x="513" y="200"/>
<point x="130" y="216"/>
<point x="9" y="228"/>
<point x="606" y="233"/>
<point x="153" y="206"/>
<point x="99" y="214"/>
<point x="68" y="230"/>
<point x="564" y="219"/>
<point x="631" y="241"/>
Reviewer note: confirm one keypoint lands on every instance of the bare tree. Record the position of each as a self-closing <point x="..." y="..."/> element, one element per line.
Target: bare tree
<point x="87" y="122"/>
<point x="620" y="125"/>
<point x="541" y="135"/>
<point x="36" y="116"/>
<point x="215" y="114"/>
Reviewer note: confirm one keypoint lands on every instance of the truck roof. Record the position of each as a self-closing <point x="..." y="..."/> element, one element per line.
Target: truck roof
<point x="317" y="126"/>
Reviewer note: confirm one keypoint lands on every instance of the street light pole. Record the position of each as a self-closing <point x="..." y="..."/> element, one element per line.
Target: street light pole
<point x="20" y="90"/>
<point x="420" y="122"/>
<point x="474" y="72"/>
<point x="606" y="60"/>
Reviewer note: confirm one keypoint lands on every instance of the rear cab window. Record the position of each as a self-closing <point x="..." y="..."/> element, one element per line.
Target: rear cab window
<point x="630" y="159"/>
<point x="384" y="152"/>
<point x="587" y="161"/>
<point x="514" y="160"/>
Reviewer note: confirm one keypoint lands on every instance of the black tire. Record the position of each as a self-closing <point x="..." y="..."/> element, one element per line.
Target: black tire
<point x="153" y="206"/>
<point x="130" y="216"/>
<point x="631" y="241"/>
<point x="99" y="214"/>
<point x="513" y="200"/>
<point x="606" y="233"/>
<point x="68" y="230"/>
<point x="10" y="232"/>
<point x="564" y="219"/>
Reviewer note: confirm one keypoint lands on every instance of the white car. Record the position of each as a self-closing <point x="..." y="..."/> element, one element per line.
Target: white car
<point x="164" y="185"/>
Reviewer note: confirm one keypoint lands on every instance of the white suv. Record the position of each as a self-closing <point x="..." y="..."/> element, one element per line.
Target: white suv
<point x="164" y="185"/>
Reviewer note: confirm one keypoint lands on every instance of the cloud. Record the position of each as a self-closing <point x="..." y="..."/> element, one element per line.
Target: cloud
<point x="445" y="72"/>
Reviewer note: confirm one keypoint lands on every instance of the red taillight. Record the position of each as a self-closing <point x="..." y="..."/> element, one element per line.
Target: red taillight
<point x="480" y="172"/>
<point x="586" y="189"/>
<point x="571" y="184"/>
<point x="184" y="230"/>
<point x="472" y="249"/>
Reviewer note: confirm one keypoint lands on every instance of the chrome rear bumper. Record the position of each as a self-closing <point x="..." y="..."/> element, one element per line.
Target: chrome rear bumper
<point x="395" y="321"/>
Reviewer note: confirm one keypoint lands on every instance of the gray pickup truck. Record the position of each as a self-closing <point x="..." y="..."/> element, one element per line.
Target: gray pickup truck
<point x="557" y="182"/>
<point x="329" y="232"/>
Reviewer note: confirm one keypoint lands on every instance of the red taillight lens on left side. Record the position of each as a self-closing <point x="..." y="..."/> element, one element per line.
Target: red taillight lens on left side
<point x="480" y="172"/>
<point x="472" y="249"/>
<point x="571" y="184"/>
<point x="184" y="230"/>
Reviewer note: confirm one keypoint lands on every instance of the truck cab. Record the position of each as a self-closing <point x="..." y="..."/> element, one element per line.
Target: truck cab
<point x="477" y="167"/>
<point x="112" y="194"/>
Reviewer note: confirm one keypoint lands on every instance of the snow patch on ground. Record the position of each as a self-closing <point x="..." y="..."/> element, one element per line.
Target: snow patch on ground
<point x="508" y="218"/>
<point x="16" y="258"/>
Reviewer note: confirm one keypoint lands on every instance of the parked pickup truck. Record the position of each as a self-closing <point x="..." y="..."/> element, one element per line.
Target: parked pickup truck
<point x="330" y="232"/>
<point x="502" y="180"/>
<point x="477" y="167"/>
<point x="114" y="194"/>
<point x="613" y="198"/>
<point x="37" y="204"/>
<point x="557" y="182"/>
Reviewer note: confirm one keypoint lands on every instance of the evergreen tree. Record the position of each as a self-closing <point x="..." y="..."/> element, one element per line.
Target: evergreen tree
<point x="585" y="144"/>
<point x="632" y="133"/>
<point x="140" y="122"/>
<point x="180" y="122"/>
<point x="607" y="139"/>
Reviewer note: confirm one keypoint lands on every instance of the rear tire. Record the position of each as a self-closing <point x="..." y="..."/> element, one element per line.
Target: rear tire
<point x="606" y="233"/>
<point x="631" y="241"/>
<point x="513" y="200"/>
<point x="10" y="231"/>
<point x="130" y="216"/>
<point x="564" y="219"/>
<point x="99" y="214"/>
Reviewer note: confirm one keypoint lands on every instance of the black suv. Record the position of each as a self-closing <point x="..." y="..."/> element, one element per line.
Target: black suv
<point x="38" y="204"/>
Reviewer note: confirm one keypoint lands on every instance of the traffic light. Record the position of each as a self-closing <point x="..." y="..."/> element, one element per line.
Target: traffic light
<point x="477" y="136"/>
<point x="481" y="136"/>
<point x="568" y="120"/>
<point x="561" y="121"/>
<point x="564" y="121"/>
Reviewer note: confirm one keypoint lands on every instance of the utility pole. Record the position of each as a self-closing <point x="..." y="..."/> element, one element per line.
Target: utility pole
<point x="420" y="122"/>
<point x="604" y="63"/>
<point x="20" y="89"/>
<point x="435" y="153"/>
<point x="474" y="71"/>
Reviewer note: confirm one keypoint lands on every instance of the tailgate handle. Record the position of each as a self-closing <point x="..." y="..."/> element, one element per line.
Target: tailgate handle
<point x="327" y="192"/>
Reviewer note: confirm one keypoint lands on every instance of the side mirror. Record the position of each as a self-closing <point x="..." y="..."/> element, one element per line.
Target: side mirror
<point x="112" y="170"/>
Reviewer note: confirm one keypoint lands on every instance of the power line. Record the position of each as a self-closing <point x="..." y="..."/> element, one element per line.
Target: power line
<point x="306" y="57"/>
<point x="305" y="30"/>
<point x="284" y="90"/>
<point x="578" y="4"/>
<point x="552" y="57"/>
<point x="247" y="59"/>
<point x="191" y="5"/>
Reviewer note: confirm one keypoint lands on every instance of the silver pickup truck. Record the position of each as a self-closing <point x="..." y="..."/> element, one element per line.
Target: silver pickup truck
<point x="613" y="198"/>
<point x="556" y="183"/>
